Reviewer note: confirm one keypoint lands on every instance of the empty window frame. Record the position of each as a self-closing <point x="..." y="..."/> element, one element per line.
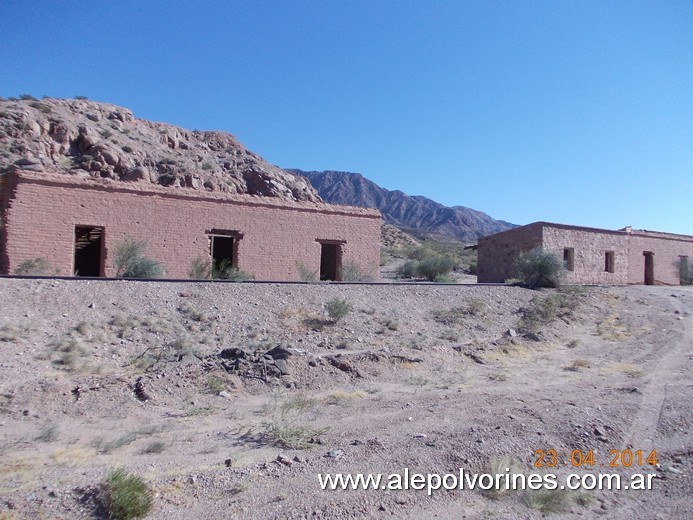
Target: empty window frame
<point x="609" y="260"/>
<point x="330" y="260"/>
<point x="88" y="255"/>
<point x="569" y="258"/>
<point x="223" y="248"/>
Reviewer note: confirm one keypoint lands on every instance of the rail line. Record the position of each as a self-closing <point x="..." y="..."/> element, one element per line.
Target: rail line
<point x="281" y="282"/>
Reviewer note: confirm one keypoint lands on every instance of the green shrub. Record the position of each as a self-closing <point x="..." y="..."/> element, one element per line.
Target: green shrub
<point x="685" y="271"/>
<point x="126" y="496"/>
<point x="225" y="270"/>
<point x="130" y="262"/>
<point x="337" y="308"/>
<point x="407" y="269"/>
<point x="305" y="273"/>
<point x="539" y="268"/>
<point x="27" y="97"/>
<point x="353" y="272"/>
<point x="200" y="269"/>
<point x="34" y="267"/>
<point x="435" y="265"/>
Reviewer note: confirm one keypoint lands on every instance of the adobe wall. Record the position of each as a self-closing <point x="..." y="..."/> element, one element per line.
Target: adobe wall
<point x="590" y="248"/>
<point x="42" y="212"/>
<point x="496" y="253"/>
<point x="667" y="249"/>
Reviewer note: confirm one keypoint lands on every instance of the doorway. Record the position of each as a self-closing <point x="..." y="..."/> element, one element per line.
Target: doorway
<point x="330" y="261"/>
<point x="224" y="253"/>
<point x="88" y="251"/>
<point x="649" y="267"/>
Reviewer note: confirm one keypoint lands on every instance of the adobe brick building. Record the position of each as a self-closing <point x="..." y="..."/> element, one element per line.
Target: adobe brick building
<point x="75" y="224"/>
<point x="592" y="256"/>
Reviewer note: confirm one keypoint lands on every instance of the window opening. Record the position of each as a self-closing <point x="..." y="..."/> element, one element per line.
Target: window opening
<point x="569" y="258"/>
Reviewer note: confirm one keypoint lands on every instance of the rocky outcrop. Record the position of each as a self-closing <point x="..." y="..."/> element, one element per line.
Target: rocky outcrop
<point x="89" y="139"/>
<point x="418" y="215"/>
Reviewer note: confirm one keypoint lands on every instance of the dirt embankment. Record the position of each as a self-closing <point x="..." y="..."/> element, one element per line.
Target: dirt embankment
<point x="198" y="388"/>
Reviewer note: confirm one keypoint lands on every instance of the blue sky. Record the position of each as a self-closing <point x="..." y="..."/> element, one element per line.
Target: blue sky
<point x="574" y="112"/>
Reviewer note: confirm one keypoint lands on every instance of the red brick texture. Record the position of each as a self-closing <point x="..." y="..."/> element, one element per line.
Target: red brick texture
<point x="40" y="212"/>
<point x="498" y="252"/>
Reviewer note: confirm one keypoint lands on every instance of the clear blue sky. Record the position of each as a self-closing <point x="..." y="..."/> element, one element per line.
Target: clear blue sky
<point x="575" y="112"/>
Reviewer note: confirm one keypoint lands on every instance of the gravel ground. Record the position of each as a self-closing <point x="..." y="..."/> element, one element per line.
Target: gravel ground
<point x="230" y="399"/>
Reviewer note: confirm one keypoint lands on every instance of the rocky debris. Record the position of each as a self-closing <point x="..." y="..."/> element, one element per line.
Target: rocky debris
<point x="89" y="139"/>
<point x="260" y="364"/>
<point x="140" y="392"/>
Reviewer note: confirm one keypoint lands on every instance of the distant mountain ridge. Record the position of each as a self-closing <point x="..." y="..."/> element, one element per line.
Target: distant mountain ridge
<point x="417" y="215"/>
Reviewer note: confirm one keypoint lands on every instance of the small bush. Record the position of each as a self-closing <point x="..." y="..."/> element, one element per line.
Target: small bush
<point x="539" y="268"/>
<point x="126" y="495"/>
<point x="35" y="267"/>
<point x="207" y="166"/>
<point x="305" y="273"/>
<point x="434" y="266"/>
<point x="685" y="268"/>
<point x="225" y="270"/>
<point x="106" y="133"/>
<point x="353" y="272"/>
<point x="82" y="98"/>
<point x="407" y="269"/>
<point x="337" y="309"/>
<point x="200" y="269"/>
<point x="130" y="262"/>
<point x="548" y="500"/>
<point x="27" y="97"/>
<point x="127" y="149"/>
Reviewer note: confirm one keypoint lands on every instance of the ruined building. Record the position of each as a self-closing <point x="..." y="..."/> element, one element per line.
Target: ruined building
<point x="592" y="256"/>
<point x="75" y="225"/>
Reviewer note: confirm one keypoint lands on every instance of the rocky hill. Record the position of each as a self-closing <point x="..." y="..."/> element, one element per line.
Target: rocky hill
<point x="417" y="215"/>
<point x="89" y="139"/>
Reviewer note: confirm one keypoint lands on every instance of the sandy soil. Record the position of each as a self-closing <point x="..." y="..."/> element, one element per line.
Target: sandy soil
<point x="104" y="374"/>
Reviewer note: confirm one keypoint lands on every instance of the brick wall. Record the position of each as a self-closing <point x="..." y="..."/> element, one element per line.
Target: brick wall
<point x="41" y="212"/>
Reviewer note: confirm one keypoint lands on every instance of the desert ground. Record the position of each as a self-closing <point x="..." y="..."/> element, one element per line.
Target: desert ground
<point x="183" y="385"/>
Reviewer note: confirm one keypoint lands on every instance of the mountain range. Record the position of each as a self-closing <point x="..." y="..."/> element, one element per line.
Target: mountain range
<point x="417" y="215"/>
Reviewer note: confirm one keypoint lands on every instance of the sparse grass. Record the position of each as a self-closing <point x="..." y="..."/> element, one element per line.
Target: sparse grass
<point x="578" y="364"/>
<point x="305" y="273"/>
<point x="154" y="447"/>
<point x="48" y="433"/>
<point x="289" y="417"/>
<point x="183" y="346"/>
<point x="341" y="398"/>
<point x="542" y="310"/>
<point x="215" y="384"/>
<point x="337" y="309"/>
<point x="450" y="335"/>
<point x="633" y="371"/>
<point x="200" y="269"/>
<point x="501" y="466"/>
<point x="71" y="354"/>
<point x="126" y="496"/>
<point x="573" y="343"/>
<point x="353" y="272"/>
<point x="548" y="500"/>
<point x="112" y="445"/>
<point x="34" y="267"/>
